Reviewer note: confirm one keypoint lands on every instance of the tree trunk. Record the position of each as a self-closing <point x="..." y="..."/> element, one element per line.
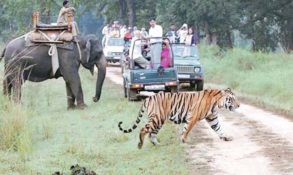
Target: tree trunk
<point x="131" y="12"/>
<point x="207" y="32"/>
<point x="229" y="39"/>
<point x="122" y="11"/>
<point x="214" y="38"/>
<point x="287" y="36"/>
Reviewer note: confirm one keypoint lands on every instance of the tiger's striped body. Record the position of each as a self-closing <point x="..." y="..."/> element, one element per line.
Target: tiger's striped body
<point x="184" y="107"/>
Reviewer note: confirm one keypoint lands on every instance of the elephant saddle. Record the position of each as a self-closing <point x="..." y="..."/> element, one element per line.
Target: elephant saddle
<point x="50" y="34"/>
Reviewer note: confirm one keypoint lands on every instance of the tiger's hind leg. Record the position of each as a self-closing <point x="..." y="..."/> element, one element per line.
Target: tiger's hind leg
<point x="142" y="134"/>
<point x="152" y="128"/>
<point x="152" y="134"/>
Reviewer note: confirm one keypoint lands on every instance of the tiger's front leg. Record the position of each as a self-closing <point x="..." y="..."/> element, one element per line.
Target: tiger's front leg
<point x="182" y="131"/>
<point x="186" y="129"/>
<point x="216" y="126"/>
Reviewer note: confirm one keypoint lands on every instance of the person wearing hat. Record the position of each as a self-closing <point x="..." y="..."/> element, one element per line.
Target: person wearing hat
<point x="155" y="43"/>
<point x="136" y="52"/>
<point x="144" y="33"/>
<point x="172" y="35"/>
<point x="182" y="33"/>
<point x="66" y="11"/>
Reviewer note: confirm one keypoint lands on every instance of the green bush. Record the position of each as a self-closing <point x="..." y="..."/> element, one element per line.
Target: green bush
<point x="262" y="77"/>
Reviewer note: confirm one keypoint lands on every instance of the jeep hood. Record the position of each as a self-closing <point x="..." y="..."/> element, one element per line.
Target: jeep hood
<point x="187" y="61"/>
<point x="113" y="49"/>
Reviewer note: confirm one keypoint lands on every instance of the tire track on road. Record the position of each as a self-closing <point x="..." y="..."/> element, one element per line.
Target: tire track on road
<point x="240" y="156"/>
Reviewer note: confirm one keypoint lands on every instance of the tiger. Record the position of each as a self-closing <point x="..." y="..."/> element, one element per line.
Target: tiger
<point x="183" y="107"/>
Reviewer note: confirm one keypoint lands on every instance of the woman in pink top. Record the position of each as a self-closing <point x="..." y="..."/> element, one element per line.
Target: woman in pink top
<point x="165" y="55"/>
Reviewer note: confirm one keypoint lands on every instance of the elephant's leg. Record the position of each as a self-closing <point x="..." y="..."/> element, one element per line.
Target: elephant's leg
<point x="70" y="97"/>
<point x="75" y="86"/>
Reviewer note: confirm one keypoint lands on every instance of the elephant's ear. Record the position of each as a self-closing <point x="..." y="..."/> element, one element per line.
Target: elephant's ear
<point x="88" y="50"/>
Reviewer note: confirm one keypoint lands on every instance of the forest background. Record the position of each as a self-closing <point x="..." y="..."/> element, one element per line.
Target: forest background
<point x="256" y="24"/>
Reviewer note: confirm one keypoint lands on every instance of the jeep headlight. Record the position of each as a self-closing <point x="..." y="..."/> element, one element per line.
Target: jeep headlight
<point x="197" y="69"/>
<point x="109" y="53"/>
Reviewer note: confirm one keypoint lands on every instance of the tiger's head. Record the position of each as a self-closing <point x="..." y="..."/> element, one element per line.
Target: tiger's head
<point x="230" y="101"/>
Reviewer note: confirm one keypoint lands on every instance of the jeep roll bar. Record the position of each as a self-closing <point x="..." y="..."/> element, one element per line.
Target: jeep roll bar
<point x="131" y="60"/>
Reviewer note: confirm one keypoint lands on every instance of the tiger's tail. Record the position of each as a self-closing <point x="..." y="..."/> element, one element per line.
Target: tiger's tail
<point x="141" y="111"/>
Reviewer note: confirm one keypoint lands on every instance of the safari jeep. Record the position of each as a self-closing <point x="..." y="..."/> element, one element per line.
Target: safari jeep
<point x="138" y="81"/>
<point x="113" y="48"/>
<point x="188" y="66"/>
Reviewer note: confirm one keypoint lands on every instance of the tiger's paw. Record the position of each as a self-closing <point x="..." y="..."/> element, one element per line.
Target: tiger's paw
<point x="183" y="140"/>
<point x="139" y="145"/>
<point x="226" y="138"/>
<point x="155" y="143"/>
<point x="154" y="140"/>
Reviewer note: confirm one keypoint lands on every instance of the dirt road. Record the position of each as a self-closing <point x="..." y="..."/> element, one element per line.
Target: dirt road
<point x="262" y="145"/>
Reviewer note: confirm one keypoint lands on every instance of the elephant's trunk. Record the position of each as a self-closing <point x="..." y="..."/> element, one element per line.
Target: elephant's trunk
<point x="101" y="65"/>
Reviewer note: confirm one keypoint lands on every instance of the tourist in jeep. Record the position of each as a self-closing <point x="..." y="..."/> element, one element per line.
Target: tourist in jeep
<point x="155" y="43"/>
<point x="136" y="52"/>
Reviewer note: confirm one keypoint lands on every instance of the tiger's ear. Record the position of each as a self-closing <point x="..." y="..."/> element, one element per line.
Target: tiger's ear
<point x="228" y="90"/>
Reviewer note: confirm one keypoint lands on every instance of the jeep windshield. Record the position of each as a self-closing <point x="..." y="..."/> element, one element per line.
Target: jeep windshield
<point x="182" y="51"/>
<point x="115" y="42"/>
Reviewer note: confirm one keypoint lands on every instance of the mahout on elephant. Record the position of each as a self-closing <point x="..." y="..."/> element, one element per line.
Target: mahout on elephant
<point x="25" y="60"/>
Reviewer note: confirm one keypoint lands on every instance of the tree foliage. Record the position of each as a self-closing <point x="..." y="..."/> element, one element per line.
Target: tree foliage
<point x="268" y="23"/>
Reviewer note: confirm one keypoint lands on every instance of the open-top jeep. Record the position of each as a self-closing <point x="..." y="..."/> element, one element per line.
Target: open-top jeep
<point x="188" y="66"/>
<point x="137" y="80"/>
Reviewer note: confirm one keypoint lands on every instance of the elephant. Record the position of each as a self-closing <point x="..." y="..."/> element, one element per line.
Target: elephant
<point x="34" y="64"/>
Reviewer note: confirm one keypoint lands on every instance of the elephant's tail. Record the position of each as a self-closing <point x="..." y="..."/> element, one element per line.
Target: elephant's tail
<point x="2" y="54"/>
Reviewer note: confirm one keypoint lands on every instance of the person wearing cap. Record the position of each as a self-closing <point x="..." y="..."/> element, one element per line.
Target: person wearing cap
<point x="66" y="11"/>
<point x="155" y="43"/>
<point x="127" y="36"/>
<point x="182" y="33"/>
<point x="135" y="50"/>
<point x="144" y="33"/>
<point x="115" y="32"/>
<point x="172" y="35"/>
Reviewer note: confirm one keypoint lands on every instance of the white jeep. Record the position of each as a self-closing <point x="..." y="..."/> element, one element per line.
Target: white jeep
<point x="113" y="48"/>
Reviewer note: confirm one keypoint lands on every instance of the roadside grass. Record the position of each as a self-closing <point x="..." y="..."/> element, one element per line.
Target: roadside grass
<point x="49" y="138"/>
<point x="265" y="79"/>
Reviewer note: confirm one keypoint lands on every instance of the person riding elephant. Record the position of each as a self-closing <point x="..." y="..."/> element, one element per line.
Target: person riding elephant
<point x="66" y="11"/>
<point x="33" y="63"/>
